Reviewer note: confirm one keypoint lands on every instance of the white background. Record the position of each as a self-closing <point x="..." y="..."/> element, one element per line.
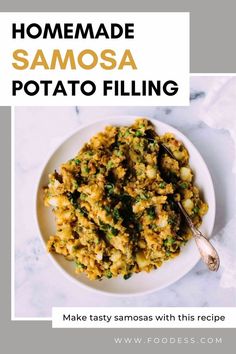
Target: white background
<point x="160" y="48"/>
<point x="209" y="317"/>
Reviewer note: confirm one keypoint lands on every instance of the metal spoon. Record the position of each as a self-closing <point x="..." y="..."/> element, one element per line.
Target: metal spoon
<point x="208" y="253"/>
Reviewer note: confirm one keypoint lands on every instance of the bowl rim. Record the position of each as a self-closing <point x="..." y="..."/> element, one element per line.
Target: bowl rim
<point x="52" y="151"/>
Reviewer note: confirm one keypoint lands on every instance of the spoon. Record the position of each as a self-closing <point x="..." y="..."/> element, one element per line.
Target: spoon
<point x="208" y="253"/>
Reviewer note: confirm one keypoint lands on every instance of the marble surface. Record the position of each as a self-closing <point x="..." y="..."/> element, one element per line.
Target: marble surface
<point x="39" y="285"/>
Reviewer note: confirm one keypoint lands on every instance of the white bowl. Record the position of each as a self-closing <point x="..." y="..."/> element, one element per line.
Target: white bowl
<point x="141" y="283"/>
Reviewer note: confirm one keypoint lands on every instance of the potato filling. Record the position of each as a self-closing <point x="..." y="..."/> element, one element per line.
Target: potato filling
<point x="115" y="202"/>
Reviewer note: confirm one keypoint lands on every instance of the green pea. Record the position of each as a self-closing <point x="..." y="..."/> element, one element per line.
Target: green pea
<point x="79" y="265"/>
<point x="183" y="185"/>
<point x="138" y="133"/>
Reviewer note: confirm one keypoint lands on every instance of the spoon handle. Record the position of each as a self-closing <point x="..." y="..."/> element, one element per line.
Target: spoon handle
<point x="208" y="253"/>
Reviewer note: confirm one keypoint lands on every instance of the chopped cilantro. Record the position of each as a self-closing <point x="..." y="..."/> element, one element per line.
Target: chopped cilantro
<point x="110" y="165"/>
<point x="127" y="133"/>
<point x="108" y="229"/>
<point x="171" y="220"/>
<point x="138" y="133"/>
<point x="79" y="265"/>
<point x="108" y="209"/>
<point x="110" y="188"/>
<point x="118" y="153"/>
<point x="108" y="274"/>
<point x="116" y="214"/>
<point x="77" y="161"/>
<point x="86" y="169"/>
<point x="141" y="197"/>
<point x="83" y="196"/>
<point x="151" y="212"/>
<point x="75" y="185"/>
<point x="169" y="241"/>
<point x="114" y="231"/>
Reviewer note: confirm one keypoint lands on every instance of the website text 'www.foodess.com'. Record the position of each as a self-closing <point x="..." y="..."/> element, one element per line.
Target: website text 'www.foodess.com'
<point x="168" y="340"/>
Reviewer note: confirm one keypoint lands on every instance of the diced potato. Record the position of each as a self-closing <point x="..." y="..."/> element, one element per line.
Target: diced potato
<point x="58" y="201"/>
<point x="151" y="172"/>
<point x="186" y="174"/>
<point x="115" y="256"/>
<point x="162" y="221"/>
<point x="142" y="260"/>
<point x="114" y="202"/>
<point x="99" y="256"/>
<point x="178" y="154"/>
<point x="203" y="209"/>
<point x="188" y="205"/>
<point x="142" y="244"/>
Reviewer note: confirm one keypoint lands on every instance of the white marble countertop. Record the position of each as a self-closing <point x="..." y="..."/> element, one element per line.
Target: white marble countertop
<point x="38" y="284"/>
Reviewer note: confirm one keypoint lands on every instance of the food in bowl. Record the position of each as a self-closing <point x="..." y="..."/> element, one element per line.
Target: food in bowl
<point x="115" y="202"/>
